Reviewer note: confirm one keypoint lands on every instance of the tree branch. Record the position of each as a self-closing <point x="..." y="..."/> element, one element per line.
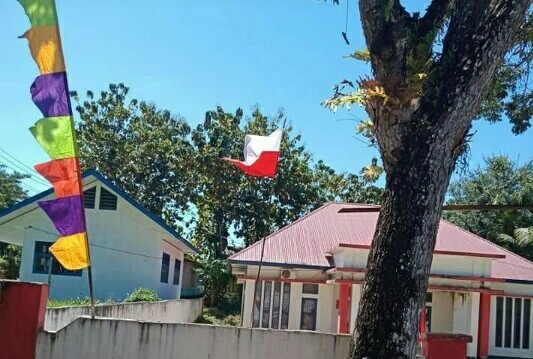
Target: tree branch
<point x="385" y="25"/>
<point x="479" y="35"/>
<point x="436" y="14"/>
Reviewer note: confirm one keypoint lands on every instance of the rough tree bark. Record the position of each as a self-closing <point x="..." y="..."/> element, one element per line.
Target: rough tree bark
<point x="420" y="134"/>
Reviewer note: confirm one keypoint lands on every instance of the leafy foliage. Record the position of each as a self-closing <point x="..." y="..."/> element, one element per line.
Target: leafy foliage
<point x="250" y="207"/>
<point x="10" y="256"/>
<point x="142" y="295"/>
<point x="500" y="181"/>
<point x="521" y="241"/>
<point x="215" y="275"/>
<point x="216" y="316"/>
<point x="144" y="150"/>
<point x="11" y="192"/>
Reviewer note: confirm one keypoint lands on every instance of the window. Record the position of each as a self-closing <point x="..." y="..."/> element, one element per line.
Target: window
<point x="429" y="309"/>
<point x="310" y="289"/>
<point x="308" y="317"/>
<point x="285" y="306"/>
<point x="41" y="262"/>
<point x="271" y="300"/>
<point x="108" y="201"/>
<point x="165" y="264"/>
<point x="89" y="197"/>
<point x="177" y="270"/>
<point x="513" y="326"/>
<point x="309" y="306"/>
<point x="265" y="322"/>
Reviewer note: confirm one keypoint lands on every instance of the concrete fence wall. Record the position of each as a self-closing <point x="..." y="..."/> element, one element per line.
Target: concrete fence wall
<point x="169" y="311"/>
<point x="107" y="338"/>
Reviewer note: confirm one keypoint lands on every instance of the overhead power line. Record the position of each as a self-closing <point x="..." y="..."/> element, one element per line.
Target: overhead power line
<point x="17" y="160"/>
<point x="19" y="166"/>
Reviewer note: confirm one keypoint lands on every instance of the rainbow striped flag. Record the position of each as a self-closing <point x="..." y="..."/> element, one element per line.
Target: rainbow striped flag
<point x="56" y="135"/>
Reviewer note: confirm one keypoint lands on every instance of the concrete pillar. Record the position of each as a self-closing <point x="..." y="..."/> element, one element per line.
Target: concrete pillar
<point x="22" y="312"/>
<point x="344" y="309"/>
<point x="484" y="326"/>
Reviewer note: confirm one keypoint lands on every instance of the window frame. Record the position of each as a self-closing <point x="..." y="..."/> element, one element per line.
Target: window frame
<point x="315" y="317"/>
<point x="164" y="275"/>
<point x="512" y="313"/>
<point x="57" y="268"/>
<point x="105" y="192"/>
<point x="177" y="269"/>
<point x="259" y="316"/>
<point x="85" y="202"/>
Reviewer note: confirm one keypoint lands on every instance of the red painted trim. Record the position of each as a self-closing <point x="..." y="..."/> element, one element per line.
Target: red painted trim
<point x="471" y="254"/>
<point x="346" y="270"/>
<point x="483" y="326"/>
<point x="464" y="289"/>
<point x="356" y="246"/>
<point x="279" y="279"/>
<point x="347" y="281"/>
<point x="466" y="254"/>
<point x="344" y="309"/>
<point x="474" y="279"/>
<point x="442" y="276"/>
<point x="432" y="287"/>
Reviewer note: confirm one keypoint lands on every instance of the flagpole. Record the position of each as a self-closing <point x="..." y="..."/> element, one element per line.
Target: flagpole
<point x="91" y="291"/>
<point x="80" y="179"/>
<point x="267" y="227"/>
<point x="269" y="209"/>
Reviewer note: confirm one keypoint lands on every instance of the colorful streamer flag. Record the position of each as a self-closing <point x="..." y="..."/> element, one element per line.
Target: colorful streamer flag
<point x="261" y="155"/>
<point x="55" y="133"/>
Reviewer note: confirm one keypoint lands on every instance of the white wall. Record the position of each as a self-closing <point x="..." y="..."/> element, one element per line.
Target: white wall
<point x="326" y="322"/>
<point x="94" y="339"/>
<point x="441" y="312"/>
<point x="296" y="306"/>
<point x="356" y="298"/>
<point x="466" y="318"/>
<point x="114" y="236"/>
<point x="171" y="311"/>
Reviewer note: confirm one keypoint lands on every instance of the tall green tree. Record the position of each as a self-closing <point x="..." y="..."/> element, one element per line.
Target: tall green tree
<point x="143" y="149"/>
<point x="11" y="192"/>
<point x="232" y="204"/>
<point x="521" y="241"/>
<point x="430" y="75"/>
<point x="499" y="181"/>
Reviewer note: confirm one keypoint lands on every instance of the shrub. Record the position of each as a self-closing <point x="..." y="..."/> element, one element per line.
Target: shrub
<point x="142" y="295"/>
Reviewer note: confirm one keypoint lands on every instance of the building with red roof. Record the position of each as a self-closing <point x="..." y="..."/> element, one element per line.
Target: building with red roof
<point x="313" y="271"/>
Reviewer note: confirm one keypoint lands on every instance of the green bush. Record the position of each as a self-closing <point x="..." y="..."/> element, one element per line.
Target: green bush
<point x="142" y="295"/>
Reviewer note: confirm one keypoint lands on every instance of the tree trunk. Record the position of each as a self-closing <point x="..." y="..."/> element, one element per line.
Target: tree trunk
<point x="420" y="133"/>
<point x="400" y="259"/>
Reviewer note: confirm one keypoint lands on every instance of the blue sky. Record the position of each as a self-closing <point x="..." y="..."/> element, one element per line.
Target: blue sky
<point x="190" y="56"/>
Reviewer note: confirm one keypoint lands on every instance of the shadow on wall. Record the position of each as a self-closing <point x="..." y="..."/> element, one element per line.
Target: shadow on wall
<point x="168" y="311"/>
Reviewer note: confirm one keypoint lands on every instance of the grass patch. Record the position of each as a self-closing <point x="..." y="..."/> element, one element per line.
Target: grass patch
<point x="216" y="316"/>
<point x="77" y="302"/>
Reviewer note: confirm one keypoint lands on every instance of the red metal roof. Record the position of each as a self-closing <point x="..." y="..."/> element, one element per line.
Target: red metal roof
<point x="305" y="242"/>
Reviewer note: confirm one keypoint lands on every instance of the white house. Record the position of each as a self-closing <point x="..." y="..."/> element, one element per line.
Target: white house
<point x="313" y="270"/>
<point x="130" y="247"/>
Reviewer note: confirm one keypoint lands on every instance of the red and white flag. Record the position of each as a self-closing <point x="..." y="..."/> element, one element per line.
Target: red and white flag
<point x="261" y="155"/>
